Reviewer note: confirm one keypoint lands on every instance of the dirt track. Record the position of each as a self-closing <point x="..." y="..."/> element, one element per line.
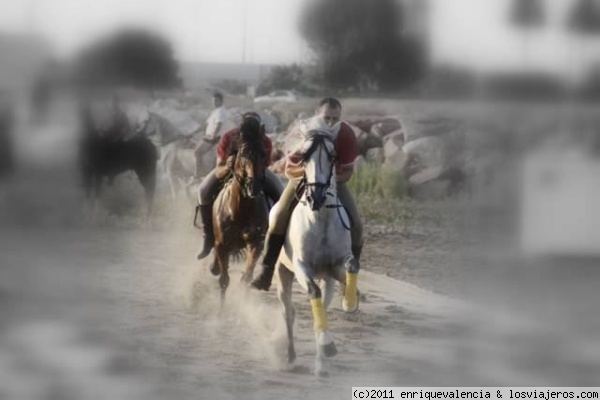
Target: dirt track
<point x="128" y="313"/>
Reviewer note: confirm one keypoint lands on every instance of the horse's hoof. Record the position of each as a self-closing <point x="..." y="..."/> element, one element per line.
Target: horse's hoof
<point x="224" y="283"/>
<point x="246" y="278"/>
<point x="291" y="357"/>
<point x="321" y="368"/>
<point x="202" y="254"/>
<point x="322" y="374"/>
<point x="259" y="285"/>
<point x="351" y="308"/>
<point x="328" y="350"/>
<point x="214" y="269"/>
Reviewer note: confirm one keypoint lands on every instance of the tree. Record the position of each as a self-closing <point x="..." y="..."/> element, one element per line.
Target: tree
<point x="359" y="42"/>
<point x="527" y="15"/>
<point x="584" y="18"/>
<point x="130" y="57"/>
<point x="584" y="21"/>
<point x="284" y="77"/>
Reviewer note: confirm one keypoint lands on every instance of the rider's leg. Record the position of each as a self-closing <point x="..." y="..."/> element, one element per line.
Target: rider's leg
<point x="352" y="266"/>
<point x="206" y="193"/>
<point x="356" y="231"/>
<point x="276" y="236"/>
<point x="273" y="186"/>
<point x="199" y="152"/>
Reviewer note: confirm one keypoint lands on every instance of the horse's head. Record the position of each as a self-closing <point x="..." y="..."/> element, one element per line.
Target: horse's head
<point x="146" y="124"/>
<point x="159" y="129"/>
<point x="319" y="167"/>
<point x="251" y="160"/>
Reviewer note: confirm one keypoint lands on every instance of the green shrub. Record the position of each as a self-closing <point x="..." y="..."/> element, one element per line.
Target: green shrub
<point x="380" y="193"/>
<point x="378" y="182"/>
<point x="388" y="211"/>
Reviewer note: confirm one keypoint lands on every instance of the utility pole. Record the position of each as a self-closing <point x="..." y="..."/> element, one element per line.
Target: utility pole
<point x="245" y="30"/>
<point x="31" y="17"/>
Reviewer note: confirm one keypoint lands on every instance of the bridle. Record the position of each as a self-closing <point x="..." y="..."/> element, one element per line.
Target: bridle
<point x="318" y="143"/>
<point x="245" y="182"/>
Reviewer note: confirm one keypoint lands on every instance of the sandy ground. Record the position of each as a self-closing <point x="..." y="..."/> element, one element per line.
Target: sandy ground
<point x="116" y="312"/>
<point x="119" y="309"/>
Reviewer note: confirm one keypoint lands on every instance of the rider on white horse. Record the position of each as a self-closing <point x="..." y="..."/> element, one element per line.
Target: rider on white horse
<point x="212" y="183"/>
<point x="346" y="148"/>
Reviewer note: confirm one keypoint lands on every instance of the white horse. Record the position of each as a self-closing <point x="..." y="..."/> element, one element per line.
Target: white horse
<point x="177" y="159"/>
<point x="318" y="246"/>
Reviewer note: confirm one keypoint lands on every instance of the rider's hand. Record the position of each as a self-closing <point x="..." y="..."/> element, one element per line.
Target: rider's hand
<point x="229" y="162"/>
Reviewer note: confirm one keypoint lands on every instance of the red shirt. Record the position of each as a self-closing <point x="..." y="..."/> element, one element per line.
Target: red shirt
<point x="224" y="145"/>
<point x="346" y="148"/>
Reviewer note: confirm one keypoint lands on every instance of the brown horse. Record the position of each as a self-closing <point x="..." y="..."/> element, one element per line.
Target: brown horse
<point x="240" y="211"/>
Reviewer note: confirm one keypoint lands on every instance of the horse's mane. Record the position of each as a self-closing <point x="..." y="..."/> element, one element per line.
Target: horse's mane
<point x="249" y="143"/>
<point x="313" y="140"/>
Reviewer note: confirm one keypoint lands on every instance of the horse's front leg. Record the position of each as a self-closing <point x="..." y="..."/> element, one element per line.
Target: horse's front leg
<point x="149" y="184"/>
<point x="88" y="187"/>
<point x="324" y="341"/>
<point x="252" y="253"/>
<point x="347" y="275"/>
<point x="96" y="193"/>
<point x="285" y="279"/>
<point x="172" y="185"/>
<point x="222" y="255"/>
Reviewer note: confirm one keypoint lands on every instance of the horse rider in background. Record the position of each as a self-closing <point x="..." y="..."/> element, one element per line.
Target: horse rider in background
<point x="217" y="124"/>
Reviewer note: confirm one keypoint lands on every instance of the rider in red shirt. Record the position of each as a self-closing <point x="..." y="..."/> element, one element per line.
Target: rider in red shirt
<point x="211" y="184"/>
<point x="224" y="147"/>
<point x="346" y="147"/>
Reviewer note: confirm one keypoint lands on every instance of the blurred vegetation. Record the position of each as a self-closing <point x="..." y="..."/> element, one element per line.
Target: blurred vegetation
<point x="233" y="86"/>
<point x="287" y="77"/>
<point x="380" y="193"/>
<point x="361" y="45"/>
<point x="130" y="57"/>
<point x="584" y="18"/>
<point x="364" y="48"/>
<point x="378" y="181"/>
<point x="528" y="14"/>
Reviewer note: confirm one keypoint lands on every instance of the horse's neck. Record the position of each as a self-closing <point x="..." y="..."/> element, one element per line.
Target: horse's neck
<point x="164" y="132"/>
<point x="171" y="147"/>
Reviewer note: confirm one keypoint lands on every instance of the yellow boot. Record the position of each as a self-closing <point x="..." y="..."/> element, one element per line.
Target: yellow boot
<point x="319" y="314"/>
<point x="350" y="302"/>
<point x="325" y="345"/>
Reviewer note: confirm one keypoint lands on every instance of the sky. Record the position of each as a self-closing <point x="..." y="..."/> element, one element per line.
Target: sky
<point x="477" y="33"/>
<point x="472" y="33"/>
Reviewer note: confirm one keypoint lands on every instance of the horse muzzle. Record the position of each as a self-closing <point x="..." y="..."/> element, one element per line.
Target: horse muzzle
<point x="316" y="195"/>
<point x="252" y="188"/>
